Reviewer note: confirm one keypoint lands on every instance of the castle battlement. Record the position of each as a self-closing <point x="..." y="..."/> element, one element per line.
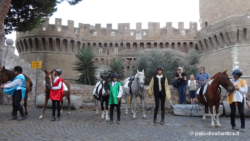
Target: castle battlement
<point x="87" y="31"/>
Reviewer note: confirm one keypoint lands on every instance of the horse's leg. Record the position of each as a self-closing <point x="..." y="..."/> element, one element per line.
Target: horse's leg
<point x="25" y="103"/>
<point x="126" y="111"/>
<point x="212" y="115"/>
<point x="96" y="102"/>
<point x="134" y="112"/>
<point x="142" y="101"/>
<point x="102" y="107"/>
<point x="217" y="106"/>
<point x="68" y="97"/>
<point x="45" y="105"/>
<point x="204" y="114"/>
<point x="62" y="106"/>
<point x="107" y="107"/>
<point x="131" y="104"/>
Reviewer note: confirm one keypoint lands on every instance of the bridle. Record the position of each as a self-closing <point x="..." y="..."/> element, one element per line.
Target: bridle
<point x="230" y="88"/>
<point x="48" y="84"/>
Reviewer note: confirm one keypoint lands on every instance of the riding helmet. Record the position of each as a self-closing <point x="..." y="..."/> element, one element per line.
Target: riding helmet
<point x="114" y="75"/>
<point x="18" y="69"/>
<point x="237" y="72"/>
<point x="59" y="71"/>
<point x="159" y="68"/>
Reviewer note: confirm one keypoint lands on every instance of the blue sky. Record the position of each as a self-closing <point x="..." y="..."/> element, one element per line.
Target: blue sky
<point x="128" y="11"/>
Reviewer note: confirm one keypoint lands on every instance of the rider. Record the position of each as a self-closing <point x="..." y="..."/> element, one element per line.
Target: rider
<point x="17" y="88"/>
<point x="56" y="94"/>
<point x="237" y="99"/>
<point x="115" y="97"/>
<point x="202" y="77"/>
<point x="159" y="87"/>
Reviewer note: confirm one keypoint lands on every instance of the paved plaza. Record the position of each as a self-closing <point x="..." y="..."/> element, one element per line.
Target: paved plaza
<point x="84" y="124"/>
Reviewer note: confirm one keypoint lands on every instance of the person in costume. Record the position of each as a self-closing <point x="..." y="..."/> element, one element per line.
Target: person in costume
<point x="17" y="88"/>
<point x="115" y="97"/>
<point x="56" y="94"/>
<point x="159" y="88"/>
<point x="236" y="98"/>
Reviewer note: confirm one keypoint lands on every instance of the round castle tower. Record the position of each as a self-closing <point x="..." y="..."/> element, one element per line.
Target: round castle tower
<point x="224" y="40"/>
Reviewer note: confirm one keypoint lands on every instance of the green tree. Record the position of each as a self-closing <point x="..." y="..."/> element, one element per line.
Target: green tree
<point x="169" y="61"/>
<point x="25" y="15"/>
<point x="85" y="66"/>
<point x="193" y="59"/>
<point x="117" y="67"/>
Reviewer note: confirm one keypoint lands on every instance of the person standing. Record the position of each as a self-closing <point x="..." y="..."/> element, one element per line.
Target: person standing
<point x="159" y="88"/>
<point x="181" y="80"/>
<point x="236" y="98"/>
<point x="56" y="94"/>
<point x="192" y="88"/>
<point x="115" y="97"/>
<point x="202" y="77"/>
<point x="17" y="88"/>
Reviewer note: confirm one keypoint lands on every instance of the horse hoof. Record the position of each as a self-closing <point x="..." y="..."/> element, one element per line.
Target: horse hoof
<point x="212" y="126"/>
<point x="41" y="117"/>
<point x="107" y="119"/>
<point x="144" y="117"/>
<point x="218" y="126"/>
<point x="203" y="119"/>
<point x="26" y="113"/>
<point x="61" y="111"/>
<point x="126" y="113"/>
<point x="68" y="112"/>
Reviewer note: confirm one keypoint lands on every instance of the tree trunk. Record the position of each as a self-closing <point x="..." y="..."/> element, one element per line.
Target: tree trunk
<point x="4" y="8"/>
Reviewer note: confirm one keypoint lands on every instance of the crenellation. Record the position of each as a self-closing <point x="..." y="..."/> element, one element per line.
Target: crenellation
<point x="138" y="26"/>
<point x="109" y="26"/>
<point x="70" y="25"/>
<point x="180" y="25"/>
<point x="58" y="22"/>
<point x="98" y="27"/>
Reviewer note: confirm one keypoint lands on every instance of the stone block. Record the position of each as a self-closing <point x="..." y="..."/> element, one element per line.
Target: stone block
<point x="192" y="110"/>
<point x="75" y="102"/>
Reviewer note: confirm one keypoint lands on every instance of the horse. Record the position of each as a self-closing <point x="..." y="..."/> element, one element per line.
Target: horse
<point x="212" y="95"/>
<point x="137" y="88"/>
<point x="101" y="93"/>
<point x="8" y="75"/>
<point x="48" y="86"/>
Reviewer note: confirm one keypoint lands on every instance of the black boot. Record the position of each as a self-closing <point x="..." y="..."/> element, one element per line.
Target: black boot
<point x="155" y="116"/>
<point x="53" y="118"/>
<point x="21" y="118"/>
<point x="162" y="118"/>
<point x="13" y="117"/>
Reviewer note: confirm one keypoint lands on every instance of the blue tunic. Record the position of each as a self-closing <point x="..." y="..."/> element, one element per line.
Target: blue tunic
<point x="11" y="91"/>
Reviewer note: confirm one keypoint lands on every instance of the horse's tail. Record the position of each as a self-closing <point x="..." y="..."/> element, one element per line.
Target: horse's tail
<point x="31" y="85"/>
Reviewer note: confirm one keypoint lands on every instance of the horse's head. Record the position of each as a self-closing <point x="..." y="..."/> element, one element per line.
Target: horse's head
<point x="105" y="82"/>
<point x="225" y="81"/>
<point x="48" y="79"/>
<point x="140" y="78"/>
<point x="3" y="75"/>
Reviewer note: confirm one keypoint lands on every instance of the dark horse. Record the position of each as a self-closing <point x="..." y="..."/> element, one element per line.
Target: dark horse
<point x="8" y="75"/>
<point x="212" y="95"/>
<point x="101" y="93"/>
<point x="48" y="86"/>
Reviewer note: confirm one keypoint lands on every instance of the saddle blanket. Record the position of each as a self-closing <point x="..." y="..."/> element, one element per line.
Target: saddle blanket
<point x="205" y="87"/>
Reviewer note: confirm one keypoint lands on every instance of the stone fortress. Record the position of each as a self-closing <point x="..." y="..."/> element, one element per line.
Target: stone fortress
<point x="223" y="41"/>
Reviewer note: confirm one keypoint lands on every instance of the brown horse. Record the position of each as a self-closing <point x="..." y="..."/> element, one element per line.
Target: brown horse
<point x="212" y="95"/>
<point x="8" y="75"/>
<point x="48" y="86"/>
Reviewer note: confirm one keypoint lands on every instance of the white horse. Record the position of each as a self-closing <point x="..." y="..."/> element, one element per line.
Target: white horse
<point x="137" y="90"/>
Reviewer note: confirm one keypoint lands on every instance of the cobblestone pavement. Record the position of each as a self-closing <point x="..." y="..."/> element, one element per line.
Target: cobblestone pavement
<point x="86" y="125"/>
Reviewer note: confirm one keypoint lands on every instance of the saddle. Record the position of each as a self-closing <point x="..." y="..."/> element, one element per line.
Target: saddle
<point x="201" y="93"/>
<point x="131" y="79"/>
<point x="96" y="96"/>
